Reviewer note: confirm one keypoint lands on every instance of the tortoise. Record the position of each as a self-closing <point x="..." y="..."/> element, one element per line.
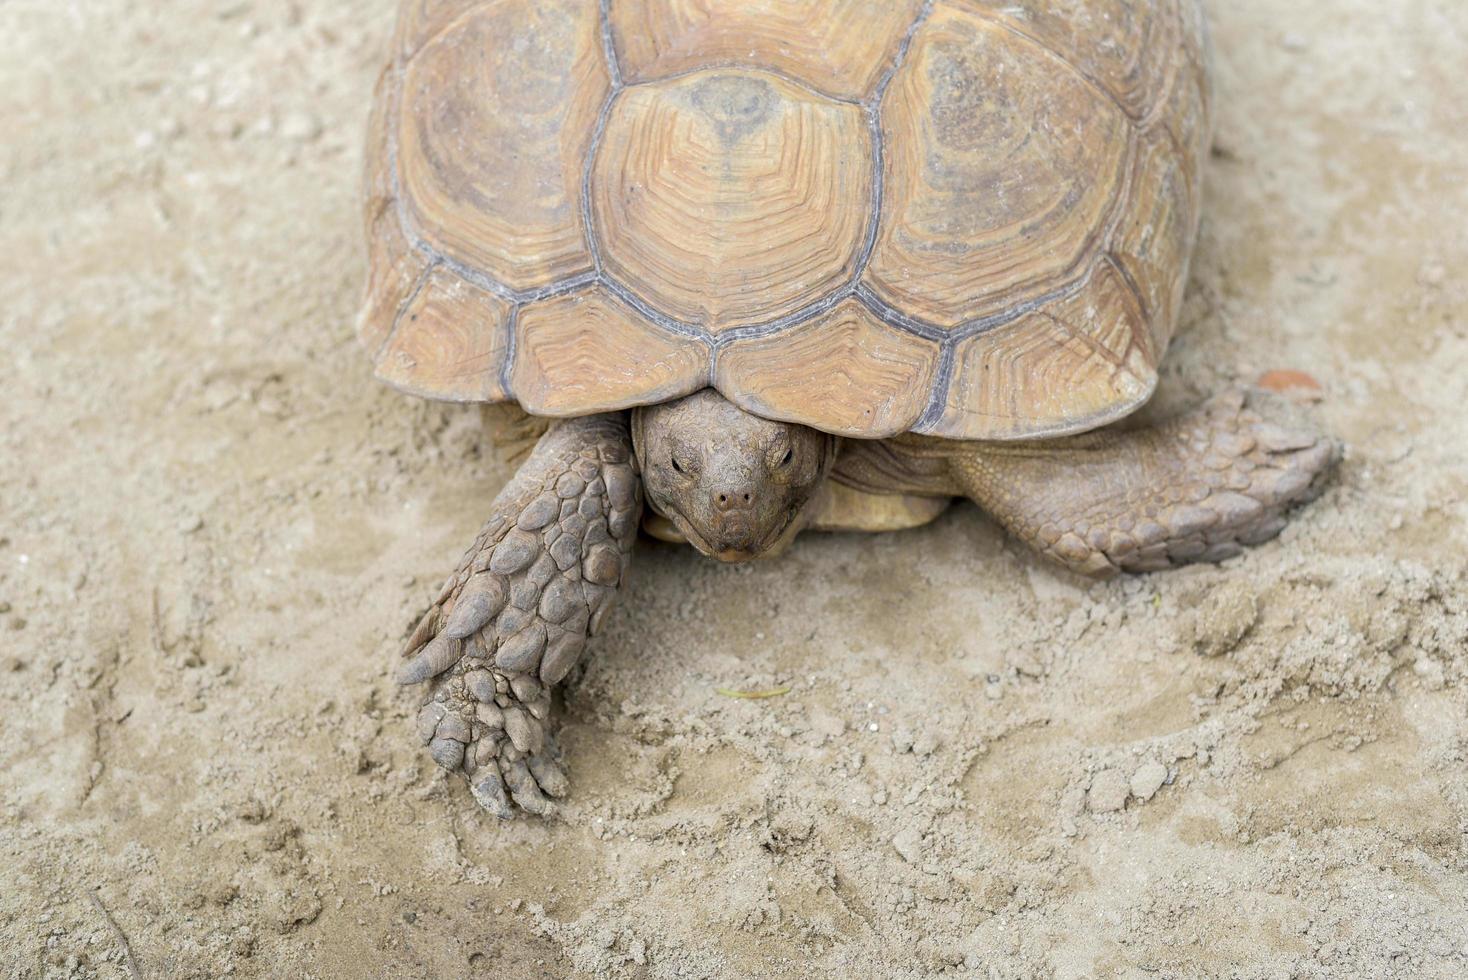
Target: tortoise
<point x="766" y="266"/>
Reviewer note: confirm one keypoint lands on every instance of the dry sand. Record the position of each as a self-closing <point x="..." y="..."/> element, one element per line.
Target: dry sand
<point x="214" y="529"/>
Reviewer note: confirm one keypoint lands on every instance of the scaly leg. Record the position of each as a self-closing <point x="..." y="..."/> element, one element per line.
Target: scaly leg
<point x="511" y="622"/>
<point x="1197" y="488"/>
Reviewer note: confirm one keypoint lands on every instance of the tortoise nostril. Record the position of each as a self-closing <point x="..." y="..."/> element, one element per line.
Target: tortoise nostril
<point x="725" y="501"/>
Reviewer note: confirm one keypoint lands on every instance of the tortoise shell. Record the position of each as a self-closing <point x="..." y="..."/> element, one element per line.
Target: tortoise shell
<point x="966" y="218"/>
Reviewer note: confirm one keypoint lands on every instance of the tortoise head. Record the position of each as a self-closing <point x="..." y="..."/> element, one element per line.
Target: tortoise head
<point x="737" y="486"/>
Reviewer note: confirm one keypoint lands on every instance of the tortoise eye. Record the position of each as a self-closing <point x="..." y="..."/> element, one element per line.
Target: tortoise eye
<point x="676" y="467"/>
<point x="789" y="455"/>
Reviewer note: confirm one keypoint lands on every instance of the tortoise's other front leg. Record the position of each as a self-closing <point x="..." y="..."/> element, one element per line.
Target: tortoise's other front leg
<point x="511" y="622"/>
<point x="1198" y="488"/>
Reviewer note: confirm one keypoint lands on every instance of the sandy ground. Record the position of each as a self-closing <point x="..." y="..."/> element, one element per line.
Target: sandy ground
<point x="214" y="530"/>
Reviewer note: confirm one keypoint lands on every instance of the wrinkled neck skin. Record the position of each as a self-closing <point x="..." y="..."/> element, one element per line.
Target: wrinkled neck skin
<point x="737" y="486"/>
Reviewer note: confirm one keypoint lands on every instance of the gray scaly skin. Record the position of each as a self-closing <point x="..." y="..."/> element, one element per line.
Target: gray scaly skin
<point x="1196" y="489"/>
<point x="512" y="620"/>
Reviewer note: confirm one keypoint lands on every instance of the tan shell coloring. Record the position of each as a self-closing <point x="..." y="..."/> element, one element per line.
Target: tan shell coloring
<point x="966" y="218"/>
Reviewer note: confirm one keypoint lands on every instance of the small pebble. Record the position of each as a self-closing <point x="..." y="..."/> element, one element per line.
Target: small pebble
<point x="909" y="844"/>
<point x="1147" y="780"/>
<point x="1026" y="663"/>
<point x="1109" y="791"/>
<point x="902" y="739"/>
<point x="1430" y="672"/>
<point x="1223" y="621"/>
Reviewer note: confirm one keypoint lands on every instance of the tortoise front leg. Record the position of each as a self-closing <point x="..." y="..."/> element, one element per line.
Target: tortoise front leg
<point x="511" y="622"/>
<point x="1198" y="488"/>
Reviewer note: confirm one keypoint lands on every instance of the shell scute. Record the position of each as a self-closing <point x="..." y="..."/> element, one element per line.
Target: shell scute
<point x="1002" y="170"/>
<point x="814" y="42"/>
<point x="874" y="380"/>
<point x="590" y="352"/>
<point x="498" y="113"/>
<point x="730" y="198"/>
<point x="1077" y="363"/>
<point x="393" y="267"/>
<point x="449" y="342"/>
<point x="1125" y="47"/>
<point x="1155" y="239"/>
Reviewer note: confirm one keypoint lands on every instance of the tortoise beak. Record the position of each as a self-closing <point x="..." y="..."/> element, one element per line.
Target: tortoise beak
<point x="728" y="548"/>
<point x="734" y="535"/>
<point x="773" y="544"/>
